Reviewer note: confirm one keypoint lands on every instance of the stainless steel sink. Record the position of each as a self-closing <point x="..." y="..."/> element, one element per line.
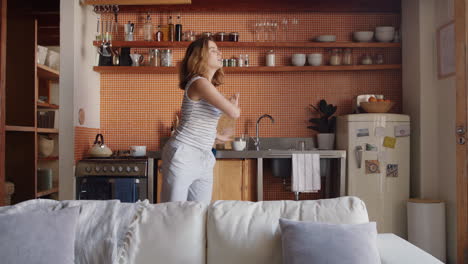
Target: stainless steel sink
<point x="283" y="144"/>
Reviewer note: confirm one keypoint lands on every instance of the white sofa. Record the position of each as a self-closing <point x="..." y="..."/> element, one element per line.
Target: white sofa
<point x="248" y="233"/>
<point x="223" y="232"/>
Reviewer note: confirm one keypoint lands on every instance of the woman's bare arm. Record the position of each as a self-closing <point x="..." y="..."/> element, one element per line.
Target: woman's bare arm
<point x="203" y="89"/>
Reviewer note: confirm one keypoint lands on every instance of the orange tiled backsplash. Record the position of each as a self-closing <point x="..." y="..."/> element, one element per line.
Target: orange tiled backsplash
<point x="137" y="109"/>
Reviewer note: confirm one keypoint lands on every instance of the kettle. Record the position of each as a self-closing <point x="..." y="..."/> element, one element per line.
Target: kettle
<point x="99" y="149"/>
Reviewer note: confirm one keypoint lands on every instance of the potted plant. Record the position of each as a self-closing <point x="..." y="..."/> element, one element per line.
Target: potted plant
<point x="325" y="124"/>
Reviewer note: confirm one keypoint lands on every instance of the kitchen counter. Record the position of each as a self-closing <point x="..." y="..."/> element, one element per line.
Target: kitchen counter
<point x="253" y="154"/>
<point x="277" y="154"/>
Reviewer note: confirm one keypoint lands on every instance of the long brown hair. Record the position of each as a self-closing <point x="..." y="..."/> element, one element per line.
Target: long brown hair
<point x="195" y="62"/>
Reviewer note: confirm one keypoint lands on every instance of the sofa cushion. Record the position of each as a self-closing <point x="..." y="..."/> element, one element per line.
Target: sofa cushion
<point x="173" y="233"/>
<point x="40" y="237"/>
<point x="321" y="243"/>
<point x="249" y="233"/>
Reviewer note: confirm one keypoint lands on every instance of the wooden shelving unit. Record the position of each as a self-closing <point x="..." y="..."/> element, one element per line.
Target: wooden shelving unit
<point x="25" y="82"/>
<point x="48" y="158"/>
<point x="148" y="69"/>
<point x="47" y="130"/>
<point x="46" y="72"/>
<point x="47" y="106"/>
<point x="184" y="44"/>
<point x="20" y="129"/>
<point x="47" y="192"/>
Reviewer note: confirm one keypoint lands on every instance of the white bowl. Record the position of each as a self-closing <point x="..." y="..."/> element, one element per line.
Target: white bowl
<point x="326" y="38"/>
<point x="381" y="29"/>
<point x="314" y="59"/>
<point x="384" y="36"/>
<point x="363" y="36"/>
<point x="239" y="145"/>
<point x="298" y="59"/>
<point x="138" y="151"/>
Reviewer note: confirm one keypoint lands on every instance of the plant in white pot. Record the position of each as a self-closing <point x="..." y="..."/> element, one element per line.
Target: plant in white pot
<point x="325" y="124"/>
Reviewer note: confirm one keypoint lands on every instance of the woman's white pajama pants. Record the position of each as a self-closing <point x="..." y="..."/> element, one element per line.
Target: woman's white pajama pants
<point x="187" y="173"/>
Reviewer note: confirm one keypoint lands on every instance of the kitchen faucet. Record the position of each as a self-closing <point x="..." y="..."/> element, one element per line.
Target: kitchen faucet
<point x="257" y="139"/>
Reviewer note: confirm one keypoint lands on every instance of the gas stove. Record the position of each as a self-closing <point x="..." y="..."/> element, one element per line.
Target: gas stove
<point x="119" y="176"/>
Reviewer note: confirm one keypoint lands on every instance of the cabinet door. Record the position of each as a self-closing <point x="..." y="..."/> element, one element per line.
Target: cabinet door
<point x="232" y="180"/>
<point x="227" y="180"/>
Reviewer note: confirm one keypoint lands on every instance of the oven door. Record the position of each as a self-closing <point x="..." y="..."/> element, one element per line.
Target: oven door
<point x="125" y="189"/>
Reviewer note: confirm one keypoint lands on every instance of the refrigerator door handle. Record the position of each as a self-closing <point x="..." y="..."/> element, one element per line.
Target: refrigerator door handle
<point x="358" y="154"/>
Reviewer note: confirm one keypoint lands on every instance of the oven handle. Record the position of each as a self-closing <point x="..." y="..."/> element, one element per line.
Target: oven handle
<point x="112" y="185"/>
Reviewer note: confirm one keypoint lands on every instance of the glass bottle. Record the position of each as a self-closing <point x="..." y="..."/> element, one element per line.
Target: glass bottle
<point x="270" y="58"/>
<point x="240" y="61"/>
<point x="347" y="57"/>
<point x="165" y="32"/>
<point x="178" y="29"/>
<point x="335" y="57"/>
<point x="159" y="34"/>
<point x="246" y="60"/>
<point x="171" y="29"/>
<point x="148" y="29"/>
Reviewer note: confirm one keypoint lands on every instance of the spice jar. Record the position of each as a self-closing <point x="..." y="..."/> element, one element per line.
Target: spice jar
<point x="347" y="57"/>
<point x="335" y="57"/>
<point x="233" y="62"/>
<point x="166" y="58"/>
<point x="234" y="36"/>
<point x="270" y="58"/>
<point x="366" y="59"/>
<point x="240" y="61"/>
<point x="225" y="62"/>
<point x="207" y="34"/>
<point x="221" y="36"/>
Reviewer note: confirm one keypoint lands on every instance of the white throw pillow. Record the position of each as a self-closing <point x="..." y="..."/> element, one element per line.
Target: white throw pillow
<point x="40" y="237"/>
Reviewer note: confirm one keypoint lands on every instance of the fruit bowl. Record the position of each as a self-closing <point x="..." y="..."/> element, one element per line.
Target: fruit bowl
<point x="377" y="107"/>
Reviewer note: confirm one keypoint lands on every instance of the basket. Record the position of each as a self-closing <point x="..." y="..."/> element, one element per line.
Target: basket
<point x="377" y="107"/>
<point x="9" y="190"/>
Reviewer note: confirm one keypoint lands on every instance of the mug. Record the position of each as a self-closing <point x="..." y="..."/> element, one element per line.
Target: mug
<point x="138" y="151"/>
<point x="136" y="59"/>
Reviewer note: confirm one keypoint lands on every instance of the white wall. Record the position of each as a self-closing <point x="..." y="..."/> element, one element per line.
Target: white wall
<point x="446" y="98"/>
<point x="431" y="104"/>
<point x="79" y="84"/>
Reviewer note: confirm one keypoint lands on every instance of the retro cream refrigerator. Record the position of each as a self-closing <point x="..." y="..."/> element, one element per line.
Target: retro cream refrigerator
<point x="378" y="165"/>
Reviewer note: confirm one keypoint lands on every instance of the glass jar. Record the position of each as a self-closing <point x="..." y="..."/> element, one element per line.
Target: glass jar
<point x="335" y="57"/>
<point x="234" y="36"/>
<point x="379" y="59"/>
<point x="240" y="61"/>
<point x="366" y="59"/>
<point x="221" y="36"/>
<point x="270" y="58"/>
<point x="347" y="57"/>
<point x="225" y="62"/>
<point x="166" y="58"/>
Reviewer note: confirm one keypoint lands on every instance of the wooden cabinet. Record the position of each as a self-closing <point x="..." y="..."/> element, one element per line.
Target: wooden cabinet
<point x="25" y="82"/>
<point x="233" y="179"/>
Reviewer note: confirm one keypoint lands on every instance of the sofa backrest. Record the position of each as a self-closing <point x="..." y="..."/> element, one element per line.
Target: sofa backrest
<point x="173" y="233"/>
<point x="249" y="233"/>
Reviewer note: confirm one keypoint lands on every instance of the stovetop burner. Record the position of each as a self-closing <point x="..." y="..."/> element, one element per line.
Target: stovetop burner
<point x="118" y="155"/>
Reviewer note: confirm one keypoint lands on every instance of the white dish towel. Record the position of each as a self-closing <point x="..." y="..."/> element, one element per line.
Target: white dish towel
<point x="305" y="172"/>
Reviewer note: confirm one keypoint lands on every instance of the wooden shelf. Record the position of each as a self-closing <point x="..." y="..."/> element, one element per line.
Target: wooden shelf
<point x="48" y="158"/>
<point x="184" y="44"/>
<point x="47" y="72"/>
<point x="47" y="106"/>
<point x="149" y="69"/>
<point x="47" y="130"/>
<point x="47" y="192"/>
<point x="137" y="2"/>
<point x="20" y="128"/>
